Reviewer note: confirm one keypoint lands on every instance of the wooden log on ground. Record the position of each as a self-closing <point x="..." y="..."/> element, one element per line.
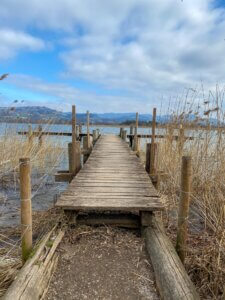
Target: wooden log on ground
<point x="26" y="209"/>
<point x="33" y="279"/>
<point x="186" y="177"/>
<point x="172" y="279"/>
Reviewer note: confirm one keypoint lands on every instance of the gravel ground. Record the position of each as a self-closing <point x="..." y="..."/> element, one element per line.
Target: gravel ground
<point x="102" y="263"/>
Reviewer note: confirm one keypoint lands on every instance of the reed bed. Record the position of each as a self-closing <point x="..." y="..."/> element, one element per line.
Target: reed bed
<point x="46" y="158"/>
<point x="206" y="245"/>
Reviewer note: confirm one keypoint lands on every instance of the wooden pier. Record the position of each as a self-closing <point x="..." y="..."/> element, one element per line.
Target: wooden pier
<point x="113" y="179"/>
<point x="112" y="188"/>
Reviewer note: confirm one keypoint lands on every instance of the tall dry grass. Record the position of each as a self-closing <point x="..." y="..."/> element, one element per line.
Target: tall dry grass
<point x="45" y="159"/>
<point x="206" y="250"/>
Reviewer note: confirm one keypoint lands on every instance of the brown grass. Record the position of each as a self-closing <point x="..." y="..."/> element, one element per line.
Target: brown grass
<point x="206" y="249"/>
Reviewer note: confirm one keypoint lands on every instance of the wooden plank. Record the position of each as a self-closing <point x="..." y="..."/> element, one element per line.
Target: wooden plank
<point x="103" y="204"/>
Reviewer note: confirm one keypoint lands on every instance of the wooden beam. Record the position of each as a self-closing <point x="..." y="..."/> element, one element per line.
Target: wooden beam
<point x="112" y="219"/>
<point x="172" y="279"/>
<point x="63" y="177"/>
<point x="33" y="279"/>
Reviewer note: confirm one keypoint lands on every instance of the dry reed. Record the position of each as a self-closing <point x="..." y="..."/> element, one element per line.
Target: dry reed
<point x="206" y="250"/>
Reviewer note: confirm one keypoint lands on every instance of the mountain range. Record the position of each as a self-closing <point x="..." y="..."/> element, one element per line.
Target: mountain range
<point x="42" y="114"/>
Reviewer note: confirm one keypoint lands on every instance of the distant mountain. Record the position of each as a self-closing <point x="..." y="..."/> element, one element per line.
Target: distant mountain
<point x="42" y="114"/>
<point x="38" y="114"/>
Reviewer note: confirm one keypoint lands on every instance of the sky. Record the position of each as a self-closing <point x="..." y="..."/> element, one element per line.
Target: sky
<point x="109" y="55"/>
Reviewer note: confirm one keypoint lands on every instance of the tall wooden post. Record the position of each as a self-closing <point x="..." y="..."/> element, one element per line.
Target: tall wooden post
<point x="181" y="140"/>
<point x="135" y="146"/>
<point x="77" y="132"/>
<point x="30" y="138"/>
<point x="70" y="158"/>
<point x="85" y="147"/>
<point x="186" y="178"/>
<point x="88" y="129"/>
<point x="40" y="136"/>
<point x="26" y="209"/>
<point x="73" y="158"/>
<point x="152" y="158"/>
<point x="95" y="135"/>
<point x="77" y="158"/>
<point x="80" y="129"/>
<point x="121" y="129"/>
<point x="124" y="135"/>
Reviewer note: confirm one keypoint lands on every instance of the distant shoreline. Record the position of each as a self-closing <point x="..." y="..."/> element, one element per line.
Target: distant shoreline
<point x="163" y="126"/>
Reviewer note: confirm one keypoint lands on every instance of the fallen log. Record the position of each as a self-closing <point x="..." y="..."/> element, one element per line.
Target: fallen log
<point x="172" y="279"/>
<point x="33" y="279"/>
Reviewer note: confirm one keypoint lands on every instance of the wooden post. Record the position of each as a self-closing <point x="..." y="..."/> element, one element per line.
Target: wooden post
<point x="26" y="209"/>
<point x="95" y="135"/>
<point x="30" y="138"/>
<point x="73" y="162"/>
<point x="186" y="177"/>
<point x="124" y="135"/>
<point x="40" y="137"/>
<point x="135" y="146"/>
<point x="152" y="158"/>
<point x="131" y="130"/>
<point x="147" y="160"/>
<point x="181" y="140"/>
<point x="121" y="129"/>
<point x="70" y="158"/>
<point x="76" y="159"/>
<point x="78" y="156"/>
<point x="77" y="132"/>
<point x="80" y="129"/>
<point x="155" y="178"/>
<point x="85" y="147"/>
<point x="88" y="129"/>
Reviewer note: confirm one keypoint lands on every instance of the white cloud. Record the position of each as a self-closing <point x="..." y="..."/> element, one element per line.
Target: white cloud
<point x="148" y="48"/>
<point x="62" y="96"/>
<point x="12" y="41"/>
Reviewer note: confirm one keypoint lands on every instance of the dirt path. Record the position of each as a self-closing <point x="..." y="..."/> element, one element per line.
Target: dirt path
<point x="102" y="263"/>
